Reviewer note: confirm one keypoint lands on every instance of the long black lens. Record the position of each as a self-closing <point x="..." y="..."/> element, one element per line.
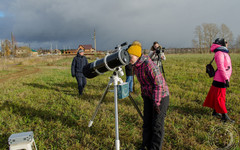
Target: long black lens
<point x="108" y="63"/>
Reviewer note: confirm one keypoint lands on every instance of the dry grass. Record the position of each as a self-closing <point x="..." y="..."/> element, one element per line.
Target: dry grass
<point x="47" y="103"/>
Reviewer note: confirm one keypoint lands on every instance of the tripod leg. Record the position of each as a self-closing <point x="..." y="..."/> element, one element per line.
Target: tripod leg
<point x="163" y="73"/>
<point x="98" y="106"/>
<point x="117" y="142"/>
<point x="135" y="105"/>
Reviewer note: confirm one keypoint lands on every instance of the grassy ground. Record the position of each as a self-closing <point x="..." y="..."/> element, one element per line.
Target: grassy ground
<point x="41" y="96"/>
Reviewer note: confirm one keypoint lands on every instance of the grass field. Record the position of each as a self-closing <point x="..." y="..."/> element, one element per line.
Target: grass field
<point x="40" y="95"/>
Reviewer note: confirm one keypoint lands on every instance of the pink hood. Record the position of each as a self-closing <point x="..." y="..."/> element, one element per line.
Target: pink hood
<point x="214" y="46"/>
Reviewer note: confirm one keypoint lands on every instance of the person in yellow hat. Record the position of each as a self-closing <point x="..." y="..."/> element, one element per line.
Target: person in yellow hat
<point x="155" y="93"/>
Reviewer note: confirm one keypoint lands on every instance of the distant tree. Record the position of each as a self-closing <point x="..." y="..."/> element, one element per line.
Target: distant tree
<point x="210" y="32"/>
<point x="205" y="34"/>
<point x="237" y="43"/>
<point x="6" y="48"/>
<point x="227" y="34"/>
<point x="198" y="41"/>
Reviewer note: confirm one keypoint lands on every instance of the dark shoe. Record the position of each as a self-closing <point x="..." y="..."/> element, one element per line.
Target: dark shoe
<point x="215" y="114"/>
<point x="225" y="118"/>
<point x="141" y="148"/>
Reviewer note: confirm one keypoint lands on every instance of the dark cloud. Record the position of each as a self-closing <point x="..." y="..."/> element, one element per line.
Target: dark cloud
<point x="69" y="23"/>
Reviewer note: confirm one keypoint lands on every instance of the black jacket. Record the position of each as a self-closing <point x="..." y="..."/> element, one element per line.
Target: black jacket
<point x="129" y="70"/>
<point x="77" y="65"/>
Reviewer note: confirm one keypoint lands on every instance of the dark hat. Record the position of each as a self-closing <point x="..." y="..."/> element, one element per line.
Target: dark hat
<point x="80" y="50"/>
<point x="221" y="41"/>
<point x="155" y="42"/>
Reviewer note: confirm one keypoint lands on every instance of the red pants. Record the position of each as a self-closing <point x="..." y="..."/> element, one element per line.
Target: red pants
<point x="216" y="99"/>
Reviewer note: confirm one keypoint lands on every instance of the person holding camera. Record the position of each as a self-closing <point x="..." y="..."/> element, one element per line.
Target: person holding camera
<point x="155" y="93"/>
<point x="78" y="63"/>
<point x="157" y="55"/>
<point x="216" y="97"/>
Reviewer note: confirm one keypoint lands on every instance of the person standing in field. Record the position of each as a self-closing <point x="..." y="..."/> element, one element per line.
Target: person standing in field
<point x="216" y="97"/>
<point x="78" y="63"/>
<point x="155" y="93"/>
<point x="157" y="55"/>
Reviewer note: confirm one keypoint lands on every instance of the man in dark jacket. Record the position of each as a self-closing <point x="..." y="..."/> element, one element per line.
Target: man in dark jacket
<point x="78" y="63"/>
<point x="129" y="76"/>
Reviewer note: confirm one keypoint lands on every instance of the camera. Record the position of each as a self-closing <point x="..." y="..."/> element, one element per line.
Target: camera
<point x="160" y="50"/>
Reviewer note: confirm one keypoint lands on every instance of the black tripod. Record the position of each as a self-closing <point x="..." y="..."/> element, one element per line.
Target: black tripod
<point x="160" y="65"/>
<point x="114" y="79"/>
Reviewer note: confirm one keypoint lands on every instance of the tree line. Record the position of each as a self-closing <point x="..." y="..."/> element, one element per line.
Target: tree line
<point x="205" y="34"/>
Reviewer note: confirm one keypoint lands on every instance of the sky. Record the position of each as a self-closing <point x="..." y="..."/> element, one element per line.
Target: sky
<point x="69" y="23"/>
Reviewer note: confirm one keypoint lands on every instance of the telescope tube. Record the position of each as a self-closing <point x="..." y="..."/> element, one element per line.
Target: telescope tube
<point x="108" y="63"/>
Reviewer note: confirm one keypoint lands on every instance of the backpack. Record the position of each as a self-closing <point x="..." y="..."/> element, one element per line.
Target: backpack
<point x="210" y="70"/>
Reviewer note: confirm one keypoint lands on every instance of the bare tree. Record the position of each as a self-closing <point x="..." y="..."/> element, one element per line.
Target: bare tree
<point x="204" y="36"/>
<point x="198" y="41"/>
<point x="227" y="34"/>
<point x="210" y="32"/>
<point x="237" y="44"/>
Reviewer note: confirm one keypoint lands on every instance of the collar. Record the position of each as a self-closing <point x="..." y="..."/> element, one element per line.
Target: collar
<point x="222" y="49"/>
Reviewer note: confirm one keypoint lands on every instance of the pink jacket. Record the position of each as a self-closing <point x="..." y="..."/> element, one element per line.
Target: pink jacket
<point x="223" y="61"/>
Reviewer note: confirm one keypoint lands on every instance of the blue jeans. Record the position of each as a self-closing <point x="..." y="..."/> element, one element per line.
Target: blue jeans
<point x="130" y="81"/>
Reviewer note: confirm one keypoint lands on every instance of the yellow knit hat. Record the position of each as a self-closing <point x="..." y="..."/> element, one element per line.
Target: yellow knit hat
<point x="136" y="43"/>
<point x="135" y="49"/>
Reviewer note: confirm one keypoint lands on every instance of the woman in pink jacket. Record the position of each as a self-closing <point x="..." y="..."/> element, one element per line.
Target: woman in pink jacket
<point x="216" y="97"/>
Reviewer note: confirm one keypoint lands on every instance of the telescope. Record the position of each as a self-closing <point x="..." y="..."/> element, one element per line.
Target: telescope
<point x="113" y="63"/>
<point x="108" y="63"/>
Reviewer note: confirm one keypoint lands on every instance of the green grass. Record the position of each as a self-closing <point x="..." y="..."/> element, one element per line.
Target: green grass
<point x="47" y="103"/>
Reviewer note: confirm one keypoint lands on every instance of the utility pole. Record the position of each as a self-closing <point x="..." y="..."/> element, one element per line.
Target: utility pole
<point x="13" y="48"/>
<point x="95" y="41"/>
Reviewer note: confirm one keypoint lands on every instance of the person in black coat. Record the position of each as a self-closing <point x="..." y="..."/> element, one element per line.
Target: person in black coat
<point x="78" y="63"/>
<point x="129" y="76"/>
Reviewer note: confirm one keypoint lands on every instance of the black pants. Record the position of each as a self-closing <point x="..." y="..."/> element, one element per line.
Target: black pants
<point x="81" y="83"/>
<point x="153" y="124"/>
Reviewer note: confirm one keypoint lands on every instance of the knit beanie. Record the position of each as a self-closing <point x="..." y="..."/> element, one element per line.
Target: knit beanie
<point x="80" y="50"/>
<point x="135" y="49"/>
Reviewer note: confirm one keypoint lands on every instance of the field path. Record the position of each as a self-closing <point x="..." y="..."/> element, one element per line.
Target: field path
<point x="22" y="72"/>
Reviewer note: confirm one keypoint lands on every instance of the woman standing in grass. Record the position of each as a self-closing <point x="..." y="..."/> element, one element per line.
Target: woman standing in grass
<point x="217" y="95"/>
<point x="155" y="94"/>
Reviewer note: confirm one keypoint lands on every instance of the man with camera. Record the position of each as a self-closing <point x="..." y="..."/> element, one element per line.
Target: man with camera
<point x="157" y="55"/>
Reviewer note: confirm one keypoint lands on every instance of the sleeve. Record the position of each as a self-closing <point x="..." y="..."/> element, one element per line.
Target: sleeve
<point x="73" y="67"/>
<point x="219" y="59"/>
<point x="164" y="57"/>
<point x="151" y="54"/>
<point x="86" y="61"/>
<point x="155" y="77"/>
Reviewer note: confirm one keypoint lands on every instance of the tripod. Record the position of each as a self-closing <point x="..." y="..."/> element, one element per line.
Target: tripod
<point x="114" y="79"/>
<point x="160" y="65"/>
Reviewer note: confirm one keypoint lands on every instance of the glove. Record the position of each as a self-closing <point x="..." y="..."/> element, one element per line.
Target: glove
<point x="227" y="83"/>
<point x="156" y="108"/>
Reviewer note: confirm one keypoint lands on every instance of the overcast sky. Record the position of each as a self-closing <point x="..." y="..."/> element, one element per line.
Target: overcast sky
<point x="68" y="23"/>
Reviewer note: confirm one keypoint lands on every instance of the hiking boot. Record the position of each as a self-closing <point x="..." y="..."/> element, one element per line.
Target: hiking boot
<point x="215" y="114"/>
<point x="225" y="118"/>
